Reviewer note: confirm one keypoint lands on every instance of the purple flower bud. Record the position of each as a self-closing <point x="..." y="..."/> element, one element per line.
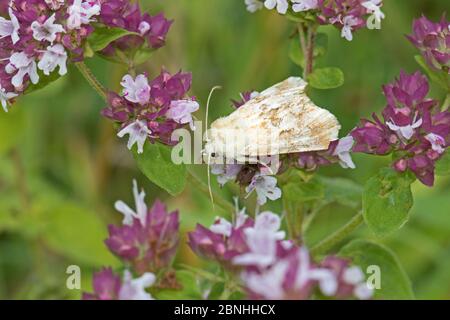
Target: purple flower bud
<point x="109" y="286"/>
<point x="106" y="286"/>
<point x="148" y="240"/>
<point x="221" y="246"/>
<point x="433" y="41"/>
<point x="127" y="15"/>
<point x="407" y="91"/>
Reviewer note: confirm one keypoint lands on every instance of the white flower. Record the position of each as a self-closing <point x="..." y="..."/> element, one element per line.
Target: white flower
<point x="349" y="22"/>
<point x="241" y="217"/>
<point x="141" y="208"/>
<point x="354" y="276"/>
<point x="81" y="13"/>
<point x="437" y="142"/>
<point x="24" y="65"/>
<point x="47" y="30"/>
<point x="222" y="227"/>
<point x="363" y="291"/>
<point x="144" y="27"/>
<point x="374" y="7"/>
<point x="304" y="5"/>
<point x="181" y="111"/>
<point x="282" y="5"/>
<point x="262" y="241"/>
<point x="138" y="133"/>
<point x="136" y="90"/>
<point x="405" y="132"/>
<point x="253" y="5"/>
<point x="269" y="283"/>
<point x="343" y="152"/>
<point x="5" y="97"/>
<point x="268" y="222"/>
<point x="263" y="249"/>
<point x="10" y="28"/>
<point x="55" y="56"/>
<point x="327" y="280"/>
<point x="225" y="172"/>
<point x="134" y="289"/>
<point x="265" y="186"/>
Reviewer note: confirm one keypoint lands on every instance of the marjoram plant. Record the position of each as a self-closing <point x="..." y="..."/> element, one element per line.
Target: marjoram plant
<point x="259" y="254"/>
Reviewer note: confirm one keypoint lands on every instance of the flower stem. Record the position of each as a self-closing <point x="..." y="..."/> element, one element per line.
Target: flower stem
<point x="329" y="242"/>
<point x="91" y="79"/>
<point x="307" y="43"/>
<point x="200" y="185"/>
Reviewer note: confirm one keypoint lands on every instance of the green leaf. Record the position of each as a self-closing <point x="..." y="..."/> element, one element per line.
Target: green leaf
<point x="443" y="165"/>
<point x="395" y="283"/>
<point x="44" y="81"/>
<point x="387" y="200"/>
<point x="440" y="78"/>
<point x="78" y="234"/>
<point x="302" y="17"/>
<point x="103" y="36"/>
<point x="157" y="165"/>
<point x="326" y="78"/>
<point x="142" y="55"/>
<point x="343" y="191"/>
<point x="296" y="53"/>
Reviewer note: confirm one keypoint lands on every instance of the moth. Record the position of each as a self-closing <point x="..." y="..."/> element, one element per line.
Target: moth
<point x="280" y="120"/>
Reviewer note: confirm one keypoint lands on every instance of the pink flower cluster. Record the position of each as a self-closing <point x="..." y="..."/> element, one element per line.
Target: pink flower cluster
<point x="152" y="109"/>
<point x="347" y="15"/>
<point x="109" y="286"/>
<point x="148" y="239"/>
<point x="39" y="36"/>
<point x="350" y="15"/>
<point x="150" y="31"/>
<point x="433" y="41"/>
<point x="272" y="267"/>
<point x="413" y="128"/>
<point x="146" y="242"/>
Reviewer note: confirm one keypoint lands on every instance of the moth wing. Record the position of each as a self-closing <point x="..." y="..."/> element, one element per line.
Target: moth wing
<point x="282" y="119"/>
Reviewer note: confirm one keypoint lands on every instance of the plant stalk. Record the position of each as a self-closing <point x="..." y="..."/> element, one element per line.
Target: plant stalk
<point x="92" y="80"/>
<point x="332" y="240"/>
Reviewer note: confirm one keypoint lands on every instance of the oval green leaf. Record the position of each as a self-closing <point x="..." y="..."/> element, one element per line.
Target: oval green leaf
<point x="394" y="283"/>
<point x="387" y="200"/>
<point x="157" y="165"/>
<point x="326" y="78"/>
<point x="103" y="36"/>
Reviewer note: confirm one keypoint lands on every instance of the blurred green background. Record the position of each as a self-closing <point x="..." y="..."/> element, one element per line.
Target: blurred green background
<point x="62" y="167"/>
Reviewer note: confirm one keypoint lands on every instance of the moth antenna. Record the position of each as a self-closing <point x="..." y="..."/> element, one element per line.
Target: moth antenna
<point x="207" y="139"/>
<point x="207" y="108"/>
<point x="211" y="196"/>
